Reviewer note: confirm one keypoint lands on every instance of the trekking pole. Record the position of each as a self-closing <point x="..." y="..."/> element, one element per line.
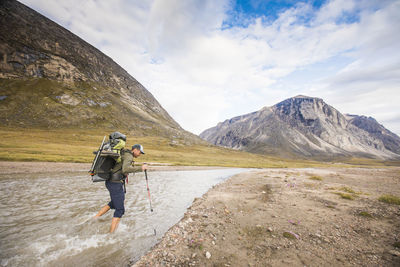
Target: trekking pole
<point x="148" y="190"/>
<point x="148" y="193"/>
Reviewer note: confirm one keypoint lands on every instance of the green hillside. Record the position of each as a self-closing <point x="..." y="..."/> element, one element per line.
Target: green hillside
<point x="39" y="102"/>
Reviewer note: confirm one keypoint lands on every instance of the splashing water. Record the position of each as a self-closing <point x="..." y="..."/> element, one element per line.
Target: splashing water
<point x="46" y="220"/>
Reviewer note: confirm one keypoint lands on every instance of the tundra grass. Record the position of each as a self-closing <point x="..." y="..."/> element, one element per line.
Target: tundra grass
<point x="316" y="178"/>
<point x="390" y="199"/>
<point x="348" y="190"/>
<point x="365" y="214"/>
<point x="77" y="145"/>
<point x="345" y="195"/>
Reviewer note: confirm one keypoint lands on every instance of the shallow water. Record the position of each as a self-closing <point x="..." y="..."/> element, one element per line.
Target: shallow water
<point x="45" y="220"/>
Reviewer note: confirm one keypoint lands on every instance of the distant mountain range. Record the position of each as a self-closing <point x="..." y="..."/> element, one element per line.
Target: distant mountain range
<point x="305" y="127"/>
<point x="51" y="78"/>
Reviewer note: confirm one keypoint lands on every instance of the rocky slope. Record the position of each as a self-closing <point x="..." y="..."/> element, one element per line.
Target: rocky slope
<point x="390" y="140"/>
<point x="49" y="77"/>
<point x="306" y="127"/>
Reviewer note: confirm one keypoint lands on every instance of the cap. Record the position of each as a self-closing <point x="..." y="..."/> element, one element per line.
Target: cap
<point x="138" y="147"/>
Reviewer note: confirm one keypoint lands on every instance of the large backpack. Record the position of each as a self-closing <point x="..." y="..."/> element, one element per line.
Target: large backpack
<point x="107" y="156"/>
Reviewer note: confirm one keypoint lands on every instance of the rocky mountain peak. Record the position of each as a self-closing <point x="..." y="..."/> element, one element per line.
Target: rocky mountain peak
<point x="305" y="97"/>
<point x="308" y="112"/>
<point x="307" y="127"/>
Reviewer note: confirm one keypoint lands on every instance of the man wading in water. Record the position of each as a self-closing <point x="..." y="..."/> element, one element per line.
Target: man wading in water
<point x="116" y="185"/>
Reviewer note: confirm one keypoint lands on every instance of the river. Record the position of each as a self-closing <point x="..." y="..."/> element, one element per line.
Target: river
<point x="46" y="220"/>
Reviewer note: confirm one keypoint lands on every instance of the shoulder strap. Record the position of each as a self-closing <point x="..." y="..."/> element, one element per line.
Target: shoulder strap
<point x="121" y="152"/>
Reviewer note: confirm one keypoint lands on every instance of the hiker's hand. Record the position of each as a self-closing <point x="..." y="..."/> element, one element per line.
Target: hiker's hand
<point x="144" y="167"/>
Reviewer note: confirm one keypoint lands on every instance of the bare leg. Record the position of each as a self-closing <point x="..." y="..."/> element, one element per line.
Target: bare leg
<point x="102" y="211"/>
<point x="114" y="224"/>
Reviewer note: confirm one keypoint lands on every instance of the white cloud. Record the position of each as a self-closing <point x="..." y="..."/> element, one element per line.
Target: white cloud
<point x="172" y="24"/>
<point x="203" y="74"/>
<point x="334" y="9"/>
<point x="370" y="85"/>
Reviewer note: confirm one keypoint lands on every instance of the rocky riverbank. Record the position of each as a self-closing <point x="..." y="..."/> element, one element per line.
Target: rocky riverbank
<point x="289" y="217"/>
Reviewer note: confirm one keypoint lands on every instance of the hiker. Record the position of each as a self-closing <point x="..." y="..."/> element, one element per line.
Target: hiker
<point x="116" y="184"/>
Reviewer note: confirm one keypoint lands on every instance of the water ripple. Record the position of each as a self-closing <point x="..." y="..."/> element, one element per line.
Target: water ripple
<point x="46" y="220"/>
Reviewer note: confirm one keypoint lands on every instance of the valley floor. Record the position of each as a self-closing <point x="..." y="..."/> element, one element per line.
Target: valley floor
<point x="289" y="217"/>
<point x="21" y="167"/>
<point x="14" y="167"/>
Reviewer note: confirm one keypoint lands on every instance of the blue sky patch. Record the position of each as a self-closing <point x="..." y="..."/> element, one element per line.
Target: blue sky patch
<point x="244" y="12"/>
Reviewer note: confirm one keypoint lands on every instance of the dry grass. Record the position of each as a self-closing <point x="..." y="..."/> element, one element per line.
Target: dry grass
<point x="345" y="195"/>
<point x="289" y="235"/>
<point x="316" y="178"/>
<point x="390" y="199"/>
<point x="365" y="214"/>
<point x="348" y="190"/>
<point x="312" y="185"/>
<point x="77" y="145"/>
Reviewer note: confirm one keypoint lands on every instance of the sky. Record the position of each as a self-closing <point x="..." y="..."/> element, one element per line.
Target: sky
<point x="206" y="61"/>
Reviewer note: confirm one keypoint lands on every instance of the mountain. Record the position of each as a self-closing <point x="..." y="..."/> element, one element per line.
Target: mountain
<point x="51" y="78"/>
<point x="305" y="127"/>
<point x="390" y="140"/>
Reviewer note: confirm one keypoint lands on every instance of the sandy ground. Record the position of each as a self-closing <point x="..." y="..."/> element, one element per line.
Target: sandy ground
<point x="9" y="167"/>
<point x="281" y="217"/>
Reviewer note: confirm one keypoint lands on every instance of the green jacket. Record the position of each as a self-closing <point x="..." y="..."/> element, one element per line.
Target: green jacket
<point x="124" y="166"/>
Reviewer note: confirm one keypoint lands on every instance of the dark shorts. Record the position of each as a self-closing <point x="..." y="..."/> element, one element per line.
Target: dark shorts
<point x="117" y="198"/>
